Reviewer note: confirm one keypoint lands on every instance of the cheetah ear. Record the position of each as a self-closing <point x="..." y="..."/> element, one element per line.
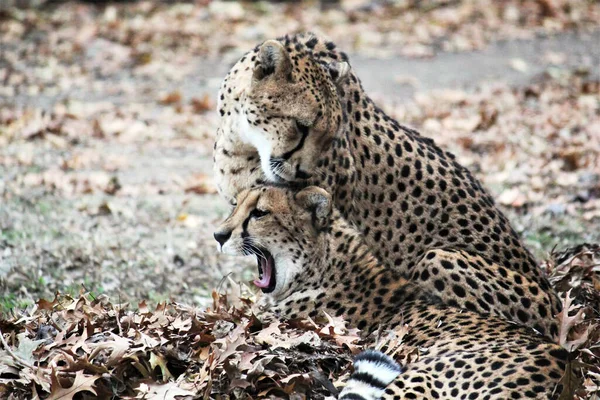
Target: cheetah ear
<point x="338" y="70"/>
<point x="274" y="60"/>
<point x="318" y="202"/>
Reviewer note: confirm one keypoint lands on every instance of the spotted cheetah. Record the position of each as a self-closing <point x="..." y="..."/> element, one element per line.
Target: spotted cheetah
<point x="311" y="260"/>
<point x="293" y="112"/>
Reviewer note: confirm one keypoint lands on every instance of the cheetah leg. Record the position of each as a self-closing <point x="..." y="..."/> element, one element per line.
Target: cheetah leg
<point x="461" y="279"/>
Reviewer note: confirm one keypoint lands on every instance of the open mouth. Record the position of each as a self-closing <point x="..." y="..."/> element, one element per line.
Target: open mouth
<point x="266" y="272"/>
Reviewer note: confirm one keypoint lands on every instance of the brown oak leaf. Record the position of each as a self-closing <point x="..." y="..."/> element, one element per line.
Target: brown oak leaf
<point x="82" y="383"/>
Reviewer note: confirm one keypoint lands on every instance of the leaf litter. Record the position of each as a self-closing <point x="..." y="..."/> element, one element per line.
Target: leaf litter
<point x="103" y="349"/>
<point x="79" y="347"/>
<point x="575" y="274"/>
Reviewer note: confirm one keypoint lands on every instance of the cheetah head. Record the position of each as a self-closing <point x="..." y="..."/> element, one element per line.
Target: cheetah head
<point x="289" y="112"/>
<point x="282" y="229"/>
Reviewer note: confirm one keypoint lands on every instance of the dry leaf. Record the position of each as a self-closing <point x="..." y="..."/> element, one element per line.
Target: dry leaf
<point x="82" y="383"/>
<point x="203" y="105"/>
<point x="201" y="184"/>
<point x="171" y="98"/>
<point x="569" y="323"/>
<point x="27" y="347"/>
<point x="169" y="390"/>
<point x="157" y="360"/>
<point x="117" y="345"/>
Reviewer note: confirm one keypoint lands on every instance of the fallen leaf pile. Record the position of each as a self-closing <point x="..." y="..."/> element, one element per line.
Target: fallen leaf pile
<point x="575" y="274"/>
<point x="87" y="346"/>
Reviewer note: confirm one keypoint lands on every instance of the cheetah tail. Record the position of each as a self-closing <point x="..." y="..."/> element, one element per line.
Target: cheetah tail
<point x="373" y="371"/>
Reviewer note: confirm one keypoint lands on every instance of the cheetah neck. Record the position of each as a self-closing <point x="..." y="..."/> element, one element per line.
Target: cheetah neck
<point x="367" y="141"/>
<point x="358" y="287"/>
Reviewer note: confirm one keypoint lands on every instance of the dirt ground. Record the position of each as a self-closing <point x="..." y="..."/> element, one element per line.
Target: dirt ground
<point x="107" y="120"/>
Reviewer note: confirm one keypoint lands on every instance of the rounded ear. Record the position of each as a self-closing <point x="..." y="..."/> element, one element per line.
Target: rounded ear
<point x="274" y="60"/>
<point x="338" y="70"/>
<point x="318" y="202"/>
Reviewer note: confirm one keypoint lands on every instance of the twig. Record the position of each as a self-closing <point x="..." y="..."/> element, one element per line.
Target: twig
<point x="118" y="317"/>
<point x="88" y="291"/>
<point x="221" y="282"/>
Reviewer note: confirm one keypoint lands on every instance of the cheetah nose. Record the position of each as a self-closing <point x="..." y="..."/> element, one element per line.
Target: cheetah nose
<point x="222" y="237"/>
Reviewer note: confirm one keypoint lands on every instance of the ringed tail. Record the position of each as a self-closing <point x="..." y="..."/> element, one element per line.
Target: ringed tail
<point x="373" y="372"/>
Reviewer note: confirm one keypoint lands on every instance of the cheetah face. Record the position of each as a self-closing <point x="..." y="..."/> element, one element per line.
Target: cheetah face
<point x="292" y="112"/>
<point x="281" y="229"/>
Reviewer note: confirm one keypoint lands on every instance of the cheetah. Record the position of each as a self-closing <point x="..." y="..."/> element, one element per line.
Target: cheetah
<point x="294" y="113"/>
<point x="311" y="260"/>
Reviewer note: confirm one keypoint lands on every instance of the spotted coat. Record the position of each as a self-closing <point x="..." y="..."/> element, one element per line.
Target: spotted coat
<point x="322" y="264"/>
<point x="293" y="112"/>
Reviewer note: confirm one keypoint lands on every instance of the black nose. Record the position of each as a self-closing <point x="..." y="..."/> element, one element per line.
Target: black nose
<point x="222" y="237"/>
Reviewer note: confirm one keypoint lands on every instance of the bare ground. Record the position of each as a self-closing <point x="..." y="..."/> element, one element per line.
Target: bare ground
<point x="106" y="139"/>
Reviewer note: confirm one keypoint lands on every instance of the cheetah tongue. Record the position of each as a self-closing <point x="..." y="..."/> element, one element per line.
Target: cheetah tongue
<point x="265" y="269"/>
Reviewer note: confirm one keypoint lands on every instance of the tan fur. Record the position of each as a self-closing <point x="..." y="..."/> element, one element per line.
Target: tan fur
<point x="462" y="352"/>
<point x="409" y="198"/>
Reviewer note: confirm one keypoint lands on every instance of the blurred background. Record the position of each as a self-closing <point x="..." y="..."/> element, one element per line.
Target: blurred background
<point x="107" y="120"/>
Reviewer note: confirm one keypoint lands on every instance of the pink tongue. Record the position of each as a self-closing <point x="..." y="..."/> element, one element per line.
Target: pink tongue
<point x="264" y="281"/>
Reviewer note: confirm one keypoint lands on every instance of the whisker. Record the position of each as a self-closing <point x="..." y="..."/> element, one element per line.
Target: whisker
<point x="256" y="242"/>
<point x="256" y="246"/>
<point x="251" y="247"/>
<point x="259" y="252"/>
<point x="248" y="250"/>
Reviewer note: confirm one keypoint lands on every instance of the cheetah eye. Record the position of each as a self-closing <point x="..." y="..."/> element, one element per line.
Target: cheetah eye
<point x="257" y="214"/>
<point x="303" y="129"/>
